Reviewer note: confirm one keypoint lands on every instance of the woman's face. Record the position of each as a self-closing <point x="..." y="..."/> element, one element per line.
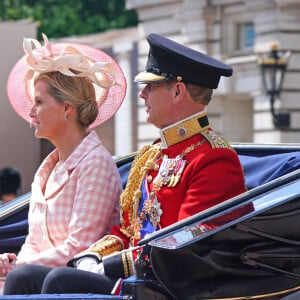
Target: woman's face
<point x="47" y="114"/>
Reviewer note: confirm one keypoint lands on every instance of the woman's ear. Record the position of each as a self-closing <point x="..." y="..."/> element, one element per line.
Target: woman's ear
<point x="67" y="109"/>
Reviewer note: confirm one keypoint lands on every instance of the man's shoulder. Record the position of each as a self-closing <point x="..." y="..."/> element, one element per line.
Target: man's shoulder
<point x="215" y="140"/>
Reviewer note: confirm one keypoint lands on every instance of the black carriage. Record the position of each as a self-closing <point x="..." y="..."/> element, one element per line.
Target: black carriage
<point x="247" y="247"/>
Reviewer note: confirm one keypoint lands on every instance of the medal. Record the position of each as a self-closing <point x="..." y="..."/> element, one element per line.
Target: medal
<point x="169" y="173"/>
<point x="152" y="209"/>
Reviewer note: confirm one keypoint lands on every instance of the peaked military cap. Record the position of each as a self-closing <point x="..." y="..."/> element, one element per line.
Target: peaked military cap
<point x="168" y="59"/>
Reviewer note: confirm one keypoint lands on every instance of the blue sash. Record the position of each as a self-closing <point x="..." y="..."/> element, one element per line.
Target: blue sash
<point x="147" y="226"/>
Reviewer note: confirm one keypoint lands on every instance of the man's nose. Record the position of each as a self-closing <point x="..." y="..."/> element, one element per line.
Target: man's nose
<point x="144" y="92"/>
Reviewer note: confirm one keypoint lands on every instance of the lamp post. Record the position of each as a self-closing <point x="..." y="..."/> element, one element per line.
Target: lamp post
<point x="273" y="67"/>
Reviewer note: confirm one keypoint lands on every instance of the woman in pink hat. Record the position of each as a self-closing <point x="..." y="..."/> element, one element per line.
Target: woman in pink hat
<point x="68" y="90"/>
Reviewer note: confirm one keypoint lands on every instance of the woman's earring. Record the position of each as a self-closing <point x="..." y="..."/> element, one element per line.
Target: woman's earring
<point x="66" y="119"/>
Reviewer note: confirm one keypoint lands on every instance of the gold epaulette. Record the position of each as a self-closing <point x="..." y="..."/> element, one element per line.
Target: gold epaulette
<point x="215" y="140"/>
<point x="105" y="246"/>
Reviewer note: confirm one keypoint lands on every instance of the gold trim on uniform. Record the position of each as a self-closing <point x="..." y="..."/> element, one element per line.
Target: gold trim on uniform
<point x="127" y="261"/>
<point x="262" y="296"/>
<point x="182" y="130"/>
<point x="156" y="167"/>
<point x="144" y="161"/>
<point x="105" y="246"/>
<point x="149" y="178"/>
<point x="215" y="140"/>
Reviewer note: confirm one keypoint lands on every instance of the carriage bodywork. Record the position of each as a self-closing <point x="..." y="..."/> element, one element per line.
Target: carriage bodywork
<point x="273" y="177"/>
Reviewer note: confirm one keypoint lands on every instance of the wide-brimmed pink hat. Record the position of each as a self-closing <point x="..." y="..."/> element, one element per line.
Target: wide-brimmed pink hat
<point x="106" y="75"/>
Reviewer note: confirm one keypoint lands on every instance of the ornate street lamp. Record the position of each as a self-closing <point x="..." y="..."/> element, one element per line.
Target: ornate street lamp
<point x="273" y="66"/>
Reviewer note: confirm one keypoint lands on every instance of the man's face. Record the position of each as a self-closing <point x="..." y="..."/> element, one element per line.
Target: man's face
<point x="158" y="103"/>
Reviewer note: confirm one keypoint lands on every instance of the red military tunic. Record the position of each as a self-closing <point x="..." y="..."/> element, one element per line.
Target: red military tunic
<point x="190" y="169"/>
<point x="210" y="173"/>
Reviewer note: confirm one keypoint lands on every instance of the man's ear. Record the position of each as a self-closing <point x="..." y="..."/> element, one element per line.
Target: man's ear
<point x="179" y="91"/>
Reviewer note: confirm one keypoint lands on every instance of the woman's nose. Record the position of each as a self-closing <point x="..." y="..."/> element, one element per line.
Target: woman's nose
<point x="32" y="112"/>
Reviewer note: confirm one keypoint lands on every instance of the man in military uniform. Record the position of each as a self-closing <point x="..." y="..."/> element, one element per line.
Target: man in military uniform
<point x="189" y="169"/>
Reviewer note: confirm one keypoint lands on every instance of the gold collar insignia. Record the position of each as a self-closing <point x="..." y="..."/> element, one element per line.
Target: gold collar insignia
<point x="184" y="129"/>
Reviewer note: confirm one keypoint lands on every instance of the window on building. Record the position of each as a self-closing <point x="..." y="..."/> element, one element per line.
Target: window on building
<point x="246" y="36"/>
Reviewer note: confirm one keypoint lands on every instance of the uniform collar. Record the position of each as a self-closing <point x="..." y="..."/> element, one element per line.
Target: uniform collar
<point x="184" y="129"/>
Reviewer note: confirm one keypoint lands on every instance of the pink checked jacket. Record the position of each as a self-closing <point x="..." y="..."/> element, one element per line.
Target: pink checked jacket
<point x="79" y="207"/>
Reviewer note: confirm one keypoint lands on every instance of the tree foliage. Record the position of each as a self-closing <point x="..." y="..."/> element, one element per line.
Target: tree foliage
<point x="61" y="18"/>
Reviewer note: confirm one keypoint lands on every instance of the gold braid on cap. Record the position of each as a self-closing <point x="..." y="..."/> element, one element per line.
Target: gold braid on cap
<point x="69" y="59"/>
<point x="130" y="198"/>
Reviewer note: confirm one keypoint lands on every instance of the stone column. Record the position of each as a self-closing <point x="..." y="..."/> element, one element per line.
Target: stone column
<point x="123" y="118"/>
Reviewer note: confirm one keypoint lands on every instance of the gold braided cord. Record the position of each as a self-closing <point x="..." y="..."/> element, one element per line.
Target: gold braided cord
<point x="105" y="246"/>
<point x="144" y="161"/>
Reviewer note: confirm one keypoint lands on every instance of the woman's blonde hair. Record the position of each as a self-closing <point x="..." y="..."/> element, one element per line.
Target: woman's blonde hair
<point x="76" y="91"/>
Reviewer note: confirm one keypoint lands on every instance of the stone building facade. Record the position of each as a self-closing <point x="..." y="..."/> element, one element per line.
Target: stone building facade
<point x="235" y="31"/>
<point x="19" y="147"/>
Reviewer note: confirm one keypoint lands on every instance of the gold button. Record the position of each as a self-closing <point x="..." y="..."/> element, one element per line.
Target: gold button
<point x="149" y="178"/>
<point x="156" y="167"/>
